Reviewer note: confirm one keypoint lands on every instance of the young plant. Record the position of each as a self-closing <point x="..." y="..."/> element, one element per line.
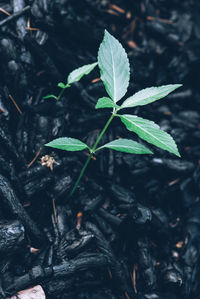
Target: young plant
<point x="115" y="74"/>
<point x="74" y="76"/>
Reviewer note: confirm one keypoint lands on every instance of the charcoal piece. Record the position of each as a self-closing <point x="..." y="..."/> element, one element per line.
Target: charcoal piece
<point x="57" y="127"/>
<point x="90" y="262"/>
<point x="160" y="232"/>
<point x="137" y="167"/>
<point x="104" y="225"/>
<point x="12" y="236"/>
<point x="179" y="67"/>
<point x="179" y="135"/>
<point x="39" y="258"/>
<point x="175" y="165"/>
<point x="121" y="194"/>
<point x="37" y="170"/>
<point x="184" y="26"/>
<point x="186" y="119"/>
<point x="7" y="143"/>
<point x="49" y="257"/>
<point x="180" y="95"/>
<point x="145" y="264"/>
<point x="73" y="243"/>
<point x="94" y="188"/>
<point x="7" y="169"/>
<point x="105" y="248"/>
<point x="134" y="223"/>
<point x="102" y="243"/>
<point x="172" y="276"/>
<point x="26" y="59"/>
<point x="41" y="37"/>
<point x="33" y="172"/>
<point x="57" y="287"/>
<point x="159" y="295"/>
<point x="196" y="176"/>
<point x="36" y="186"/>
<point x="46" y="60"/>
<point x="18" y="5"/>
<point x="10" y="200"/>
<point x="189" y="192"/>
<point x="193" y="151"/>
<point x="15" y="15"/>
<point x="164" y="31"/>
<point x="75" y="288"/>
<point x="94" y="204"/>
<point x="56" y="235"/>
<point x="152" y="296"/>
<point x="40" y="8"/>
<point x="64" y="215"/>
<point x="62" y="187"/>
<point x="2" y="294"/>
<point x="16" y="75"/>
<point x="14" y="284"/>
<point x="113" y="220"/>
<point x="89" y="100"/>
<point x="140" y="214"/>
<point x="191" y="254"/>
<point x="22" y="135"/>
<point x="8" y="49"/>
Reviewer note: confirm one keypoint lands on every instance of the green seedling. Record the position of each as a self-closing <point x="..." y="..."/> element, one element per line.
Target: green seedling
<point x="115" y="74"/>
<point x="74" y="76"/>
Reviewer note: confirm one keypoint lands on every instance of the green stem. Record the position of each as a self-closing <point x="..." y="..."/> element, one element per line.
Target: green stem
<point x="90" y="156"/>
<point x="61" y="93"/>
<point x="102" y="132"/>
<point x="80" y="175"/>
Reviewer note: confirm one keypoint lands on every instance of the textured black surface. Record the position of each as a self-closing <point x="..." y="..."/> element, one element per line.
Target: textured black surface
<point x="139" y="232"/>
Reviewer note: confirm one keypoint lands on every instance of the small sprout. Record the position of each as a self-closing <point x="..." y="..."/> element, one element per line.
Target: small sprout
<point x="50" y="96"/>
<point x="115" y="74"/>
<point x="73" y="77"/>
<point x="77" y="74"/>
<point x="48" y="161"/>
<point x="62" y="85"/>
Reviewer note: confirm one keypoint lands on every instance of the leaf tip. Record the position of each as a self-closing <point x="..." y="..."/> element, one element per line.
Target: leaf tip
<point x="178" y="85"/>
<point x="47" y="144"/>
<point x="178" y="154"/>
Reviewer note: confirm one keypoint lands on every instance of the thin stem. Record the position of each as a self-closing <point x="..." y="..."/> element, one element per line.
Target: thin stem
<point x="102" y="132"/>
<point x="80" y="175"/>
<point x="90" y="156"/>
<point x="61" y="93"/>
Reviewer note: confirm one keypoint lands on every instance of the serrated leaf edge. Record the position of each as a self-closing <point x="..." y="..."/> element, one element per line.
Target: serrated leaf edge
<point x="158" y="127"/>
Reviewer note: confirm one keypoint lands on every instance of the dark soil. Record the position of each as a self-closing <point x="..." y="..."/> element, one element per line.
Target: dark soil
<point x="132" y="229"/>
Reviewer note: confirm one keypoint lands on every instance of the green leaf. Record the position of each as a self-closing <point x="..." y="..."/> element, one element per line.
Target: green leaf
<point x="50" y="96"/>
<point x="77" y="74"/>
<point x="127" y="146"/>
<point x="149" y="95"/>
<point x="62" y="85"/>
<point x="67" y="144"/>
<point x="114" y="67"/>
<point x="106" y="103"/>
<point x="150" y="132"/>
